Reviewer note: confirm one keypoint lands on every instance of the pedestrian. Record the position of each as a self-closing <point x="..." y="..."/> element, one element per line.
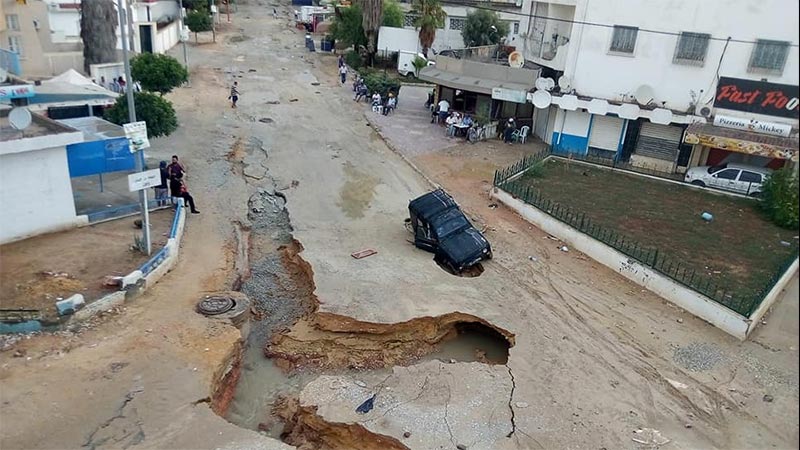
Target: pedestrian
<point x="343" y="73"/>
<point x="175" y="169"/>
<point x="274" y="13"/>
<point x="508" y="133"/>
<point x="121" y="82"/>
<point x="103" y="82"/>
<point x="178" y="188"/>
<point x="362" y="92"/>
<point x="341" y="60"/>
<point x="234" y="95"/>
<point x="161" y="189"/>
<point x="444" y="109"/>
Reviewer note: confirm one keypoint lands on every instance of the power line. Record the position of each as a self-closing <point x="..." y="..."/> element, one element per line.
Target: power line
<point x="596" y="24"/>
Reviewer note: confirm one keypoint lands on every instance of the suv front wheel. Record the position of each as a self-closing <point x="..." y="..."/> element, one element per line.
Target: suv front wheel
<point x="698" y="183"/>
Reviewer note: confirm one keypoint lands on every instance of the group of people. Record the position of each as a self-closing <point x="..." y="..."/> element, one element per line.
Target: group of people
<point x="457" y="121"/>
<point x="173" y="177"/>
<point x="380" y="103"/>
<point x="118" y="85"/>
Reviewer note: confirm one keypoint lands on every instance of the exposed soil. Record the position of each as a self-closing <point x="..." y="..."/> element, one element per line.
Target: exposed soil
<point x="37" y="271"/>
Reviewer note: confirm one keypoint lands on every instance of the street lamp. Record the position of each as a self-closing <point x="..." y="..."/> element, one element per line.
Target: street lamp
<point x="132" y="119"/>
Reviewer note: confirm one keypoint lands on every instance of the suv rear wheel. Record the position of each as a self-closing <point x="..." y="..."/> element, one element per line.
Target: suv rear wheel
<point x="698" y="183"/>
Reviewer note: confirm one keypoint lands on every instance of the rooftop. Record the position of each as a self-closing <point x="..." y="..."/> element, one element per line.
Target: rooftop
<point x="94" y="128"/>
<point x="40" y="126"/>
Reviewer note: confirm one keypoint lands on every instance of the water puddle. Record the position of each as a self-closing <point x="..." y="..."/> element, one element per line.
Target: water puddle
<point x="472" y="342"/>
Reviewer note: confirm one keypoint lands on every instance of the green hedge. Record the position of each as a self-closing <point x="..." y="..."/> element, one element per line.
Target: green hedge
<point x="381" y="83"/>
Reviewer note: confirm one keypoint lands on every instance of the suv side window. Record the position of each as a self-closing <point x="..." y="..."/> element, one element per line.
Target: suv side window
<point x="750" y="177"/>
<point x="727" y="174"/>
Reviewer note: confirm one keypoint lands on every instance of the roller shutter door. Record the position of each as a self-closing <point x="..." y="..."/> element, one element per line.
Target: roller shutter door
<point x="659" y="141"/>
<point x="605" y="133"/>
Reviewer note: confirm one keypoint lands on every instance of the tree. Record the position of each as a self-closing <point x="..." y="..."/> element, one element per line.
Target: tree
<point x="98" y="32"/>
<point x="158" y="73"/>
<point x="430" y="16"/>
<point x="419" y="64"/>
<point x="347" y="27"/>
<point x="392" y="14"/>
<point x="373" y="11"/>
<point x="199" y="20"/>
<point x="483" y="27"/>
<point x="151" y="108"/>
<point x="779" y="198"/>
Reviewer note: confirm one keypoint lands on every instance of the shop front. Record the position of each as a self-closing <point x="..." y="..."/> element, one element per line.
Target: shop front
<point x="717" y="145"/>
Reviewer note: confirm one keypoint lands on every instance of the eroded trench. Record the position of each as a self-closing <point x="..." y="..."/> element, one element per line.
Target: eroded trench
<point x="287" y="342"/>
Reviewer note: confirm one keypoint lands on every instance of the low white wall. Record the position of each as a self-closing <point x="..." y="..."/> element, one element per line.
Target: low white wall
<point x="165" y="38"/>
<point x="699" y="305"/>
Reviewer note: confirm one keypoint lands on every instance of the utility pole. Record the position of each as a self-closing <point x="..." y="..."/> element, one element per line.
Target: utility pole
<point x="132" y="119"/>
<point x="183" y="41"/>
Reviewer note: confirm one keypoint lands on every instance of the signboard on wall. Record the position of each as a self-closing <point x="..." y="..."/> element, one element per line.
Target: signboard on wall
<point x="143" y="180"/>
<point x="136" y="133"/>
<point x="737" y="123"/>
<point x="509" y="95"/>
<point x="96" y="157"/>
<point x="18" y="91"/>
<point x="758" y="97"/>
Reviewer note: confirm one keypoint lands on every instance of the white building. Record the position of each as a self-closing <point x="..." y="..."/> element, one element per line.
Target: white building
<point x="35" y="189"/>
<point x="649" y="82"/>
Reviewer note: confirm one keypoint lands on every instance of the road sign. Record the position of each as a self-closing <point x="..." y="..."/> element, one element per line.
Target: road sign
<point x="143" y="180"/>
<point x="136" y="132"/>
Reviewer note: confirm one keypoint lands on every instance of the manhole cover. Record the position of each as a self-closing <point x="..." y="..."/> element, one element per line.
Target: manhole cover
<point x="215" y="305"/>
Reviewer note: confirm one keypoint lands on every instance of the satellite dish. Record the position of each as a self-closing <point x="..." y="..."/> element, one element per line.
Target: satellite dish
<point x="661" y="116"/>
<point x="516" y="60"/>
<point x="644" y="94"/>
<point x="550" y="84"/>
<point x="598" y="106"/>
<point x="540" y="84"/>
<point x="541" y="99"/>
<point x="3" y="75"/>
<point x="564" y="83"/>
<point x="20" y="118"/>
<point x="569" y="102"/>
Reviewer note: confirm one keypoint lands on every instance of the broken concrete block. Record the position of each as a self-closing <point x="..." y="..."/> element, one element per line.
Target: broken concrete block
<point x="69" y="305"/>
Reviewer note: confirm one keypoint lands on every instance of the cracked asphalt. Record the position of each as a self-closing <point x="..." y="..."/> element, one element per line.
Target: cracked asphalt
<point x="593" y="356"/>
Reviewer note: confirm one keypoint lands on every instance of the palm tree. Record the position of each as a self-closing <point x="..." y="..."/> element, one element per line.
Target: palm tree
<point x="98" y="32"/>
<point x="430" y="16"/>
<point x="371" y="21"/>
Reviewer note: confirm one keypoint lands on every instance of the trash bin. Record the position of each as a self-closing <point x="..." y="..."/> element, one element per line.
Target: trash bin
<point x="325" y="46"/>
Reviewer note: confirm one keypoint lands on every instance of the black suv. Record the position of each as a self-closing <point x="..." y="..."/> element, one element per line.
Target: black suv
<point x="440" y="227"/>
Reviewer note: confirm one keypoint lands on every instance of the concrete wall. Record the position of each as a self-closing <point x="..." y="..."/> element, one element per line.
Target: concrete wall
<point x="599" y="73"/>
<point x="165" y="38"/>
<point x="699" y="305"/>
<point x="571" y="132"/>
<point x="35" y="190"/>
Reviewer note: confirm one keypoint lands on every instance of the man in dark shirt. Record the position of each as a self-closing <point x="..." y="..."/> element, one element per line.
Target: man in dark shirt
<point x="161" y="189"/>
<point x="176" y="169"/>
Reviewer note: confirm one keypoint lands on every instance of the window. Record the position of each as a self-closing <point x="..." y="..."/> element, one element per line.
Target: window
<point x="750" y="177"/>
<point x="15" y="45"/>
<point x="515" y="29"/>
<point x="12" y="22"/>
<point x="769" y="56"/>
<point x="727" y="174"/>
<point x="408" y="20"/>
<point x="624" y="39"/>
<point x="692" y="48"/>
<point x="457" y="23"/>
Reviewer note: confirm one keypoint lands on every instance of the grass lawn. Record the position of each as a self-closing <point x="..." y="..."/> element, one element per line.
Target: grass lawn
<point x="740" y="249"/>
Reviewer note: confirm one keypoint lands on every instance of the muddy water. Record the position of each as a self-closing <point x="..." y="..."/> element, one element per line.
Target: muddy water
<point x="472" y="344"/>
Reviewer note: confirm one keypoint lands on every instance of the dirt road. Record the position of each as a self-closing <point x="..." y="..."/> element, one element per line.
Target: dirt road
<point x="595" y="359"/>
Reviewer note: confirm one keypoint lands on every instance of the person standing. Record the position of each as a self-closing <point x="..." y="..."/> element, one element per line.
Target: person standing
<point x="121" y="82"/>
<point x="175" y="169"/>
<point x="341" y="60"/>
<point x="444" y="109"/>
<point x="234" y="95"/>
<point x="161" y="189"/>
<point x="508" y="132"/>
<point x="343" y="73"/>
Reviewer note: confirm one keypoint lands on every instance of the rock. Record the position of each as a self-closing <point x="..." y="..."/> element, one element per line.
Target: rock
<point x="273" y="102"/>
<point x="564" y="248"/>
<point x="316" y="83"/>
<point x="688" y="425"/>
<point x="20" y="353"/>
<point x="407" y="434"/>
<point x="768" y="398"/>
<point x="461" y="447"/>
<point x="69" y="305"/>
<point x="679" y="320"/>
<point x="521" y="404"/>
<point x="266" y="120"/>
<point x="292" y="100"/>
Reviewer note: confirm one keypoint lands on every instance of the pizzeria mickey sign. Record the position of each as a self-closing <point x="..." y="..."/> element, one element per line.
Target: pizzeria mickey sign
<point x="758" y="97"/>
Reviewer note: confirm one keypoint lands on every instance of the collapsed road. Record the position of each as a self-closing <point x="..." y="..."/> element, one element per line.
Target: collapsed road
<point x="593" y="362"/>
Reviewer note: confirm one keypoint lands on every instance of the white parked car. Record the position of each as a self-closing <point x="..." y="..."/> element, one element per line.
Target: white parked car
<point x="739" y="178"/>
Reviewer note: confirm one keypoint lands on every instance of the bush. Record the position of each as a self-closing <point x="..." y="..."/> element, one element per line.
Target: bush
<point x="199" y="20"/>
<point x="151" y="108"/>
<point x="353" y="59"/>
<point x="779" y="198"/>
<point x="381" y="83"/>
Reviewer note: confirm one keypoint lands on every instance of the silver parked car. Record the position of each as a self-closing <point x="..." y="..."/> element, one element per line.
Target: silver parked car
<point x="739" y="178"/>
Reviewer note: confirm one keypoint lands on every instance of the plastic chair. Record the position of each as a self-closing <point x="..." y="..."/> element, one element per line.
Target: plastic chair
<point x="521" y="134"/>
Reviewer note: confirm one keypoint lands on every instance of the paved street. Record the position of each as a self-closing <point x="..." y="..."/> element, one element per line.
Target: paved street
<point x="594" y="358"/>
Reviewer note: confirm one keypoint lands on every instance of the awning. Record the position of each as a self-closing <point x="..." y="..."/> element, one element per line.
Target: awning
<point x="467" y="83"/>
<point x="742" y="141"/>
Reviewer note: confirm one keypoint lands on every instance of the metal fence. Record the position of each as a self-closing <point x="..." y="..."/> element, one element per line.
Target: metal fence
<point x="743" y="303"/>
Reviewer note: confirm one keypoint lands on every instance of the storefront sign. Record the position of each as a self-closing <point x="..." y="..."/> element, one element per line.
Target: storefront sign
<point x="509" y="95"/>
<point x="19" y="91"/>
<point x="775" y="129"/>
<point x="143" y="180"/>
<point x="758" y="97"/>
<point x="136" y="133"/>
<point x="737" y="145"/>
